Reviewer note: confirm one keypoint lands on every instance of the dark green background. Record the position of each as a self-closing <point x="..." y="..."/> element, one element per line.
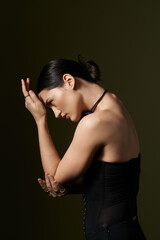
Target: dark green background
<point x="123" y="38"/>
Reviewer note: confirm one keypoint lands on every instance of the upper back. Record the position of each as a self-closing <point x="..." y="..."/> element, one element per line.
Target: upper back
<point x="119" y="134"/>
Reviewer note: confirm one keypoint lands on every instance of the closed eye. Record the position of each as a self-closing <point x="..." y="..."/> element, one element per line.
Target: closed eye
<point x="50" y="103"/>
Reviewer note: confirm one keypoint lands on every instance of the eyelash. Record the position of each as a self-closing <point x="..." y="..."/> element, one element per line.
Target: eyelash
<point x="49" y="103"/>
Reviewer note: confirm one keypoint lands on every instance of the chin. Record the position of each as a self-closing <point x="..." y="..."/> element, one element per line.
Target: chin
<point x="75" y="119"/>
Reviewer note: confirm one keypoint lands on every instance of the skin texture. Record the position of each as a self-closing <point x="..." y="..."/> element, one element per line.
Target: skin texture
<point x="69" y="96"/>
<point x="72" y="98"/>
<point x="38" y="111"/>
<point x="49" y="185"/>
<point x="110" y="128"/>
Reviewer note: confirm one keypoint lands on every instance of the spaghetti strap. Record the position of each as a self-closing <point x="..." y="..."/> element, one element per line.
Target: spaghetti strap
<point x="84" y="113"/>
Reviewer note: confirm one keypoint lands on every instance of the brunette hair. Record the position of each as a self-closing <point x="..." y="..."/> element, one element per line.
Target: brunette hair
<point x="52" y="73"/>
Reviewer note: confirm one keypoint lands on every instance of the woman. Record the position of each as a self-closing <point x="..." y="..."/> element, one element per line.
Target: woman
<point x="103" y="159"/>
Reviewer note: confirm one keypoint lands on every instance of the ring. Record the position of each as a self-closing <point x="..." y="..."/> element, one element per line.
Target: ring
<point x="56" y="191"/>
<point x="62" y="190"/>
<point x="26" y="96"/>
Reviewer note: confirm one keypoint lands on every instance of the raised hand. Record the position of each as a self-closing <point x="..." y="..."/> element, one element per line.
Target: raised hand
<point x="32" y="103"/>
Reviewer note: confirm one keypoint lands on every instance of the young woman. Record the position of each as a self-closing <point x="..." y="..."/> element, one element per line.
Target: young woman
<point x="103" y="159"/>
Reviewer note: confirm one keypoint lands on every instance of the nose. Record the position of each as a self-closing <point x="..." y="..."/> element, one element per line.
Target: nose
<point x="57" y="113"/>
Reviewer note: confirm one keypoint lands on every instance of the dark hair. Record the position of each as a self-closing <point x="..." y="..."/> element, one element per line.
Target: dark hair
<point x="52" y="73"/>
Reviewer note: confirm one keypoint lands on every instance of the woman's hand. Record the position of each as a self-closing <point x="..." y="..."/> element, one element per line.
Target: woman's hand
<point x="32" y="103"/>
<point x="52" y="187"/>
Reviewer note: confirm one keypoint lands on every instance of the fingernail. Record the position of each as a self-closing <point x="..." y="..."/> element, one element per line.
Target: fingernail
<point x="30" y="91"/>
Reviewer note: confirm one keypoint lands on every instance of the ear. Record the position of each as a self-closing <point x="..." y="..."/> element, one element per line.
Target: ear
<point x="69" y="80"/>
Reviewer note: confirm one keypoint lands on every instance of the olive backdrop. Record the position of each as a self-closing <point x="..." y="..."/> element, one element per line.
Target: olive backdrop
<point x="123" y="38"/>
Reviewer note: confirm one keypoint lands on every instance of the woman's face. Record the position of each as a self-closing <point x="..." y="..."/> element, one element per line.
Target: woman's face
<point x="64" y="101"/>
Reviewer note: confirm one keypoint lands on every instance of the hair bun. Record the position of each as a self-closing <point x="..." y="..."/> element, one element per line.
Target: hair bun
<point x="91" y="67"/>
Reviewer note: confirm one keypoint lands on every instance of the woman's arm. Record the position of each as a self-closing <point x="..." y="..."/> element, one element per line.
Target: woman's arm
<point x="88" y="138"/>
<point x="49" y="155"/>
<point x="50" y="158"/>
<point x="54" y="186"/>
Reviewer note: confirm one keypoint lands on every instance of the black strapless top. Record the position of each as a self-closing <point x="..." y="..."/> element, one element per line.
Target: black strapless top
<point x="110" y="191"/>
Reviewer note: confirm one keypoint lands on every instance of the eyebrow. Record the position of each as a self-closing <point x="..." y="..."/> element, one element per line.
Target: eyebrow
<point x="46" y="103"/>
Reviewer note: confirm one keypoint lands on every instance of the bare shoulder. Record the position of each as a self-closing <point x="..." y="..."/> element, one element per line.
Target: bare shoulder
<point x="98" y="125"/>
<point x="101" y="118"/>
<point x="94" y="120"/>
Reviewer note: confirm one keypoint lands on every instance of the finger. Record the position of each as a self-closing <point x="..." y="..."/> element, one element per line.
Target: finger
<point x="60" y="187"/>
<point x="53" y="194"/>
<point x="33" y="96"/>
<point x="55" y="185"/>
<point x="28" y="84"/>
<point x="28" y="99"/>
<point x="24" y="90"/>
<point x="48" y="182"/>
<point x="42" y="184"/>
<point x="61" y="194"/>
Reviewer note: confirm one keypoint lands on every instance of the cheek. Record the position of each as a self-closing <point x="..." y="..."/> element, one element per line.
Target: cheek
<point x="69" y="103"/>
<point x="74" y="104"/>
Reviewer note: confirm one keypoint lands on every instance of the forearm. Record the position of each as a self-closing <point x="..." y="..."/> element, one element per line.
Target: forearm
<point x="49" y="155"/>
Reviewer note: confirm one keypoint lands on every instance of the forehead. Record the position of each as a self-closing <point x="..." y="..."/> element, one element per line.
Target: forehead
<point x="45" y="94"/>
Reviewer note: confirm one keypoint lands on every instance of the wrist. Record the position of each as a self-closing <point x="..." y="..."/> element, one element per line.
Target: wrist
<point x="41" y="121"/>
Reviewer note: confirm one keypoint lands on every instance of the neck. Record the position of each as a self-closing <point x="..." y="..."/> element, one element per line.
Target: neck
<point x="90" y="97"/>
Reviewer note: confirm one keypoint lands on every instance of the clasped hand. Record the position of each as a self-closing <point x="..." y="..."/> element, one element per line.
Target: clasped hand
<point x="52" y="187"/>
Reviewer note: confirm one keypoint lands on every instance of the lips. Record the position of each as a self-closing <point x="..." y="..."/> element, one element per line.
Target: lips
<point x="66" y="116"/>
